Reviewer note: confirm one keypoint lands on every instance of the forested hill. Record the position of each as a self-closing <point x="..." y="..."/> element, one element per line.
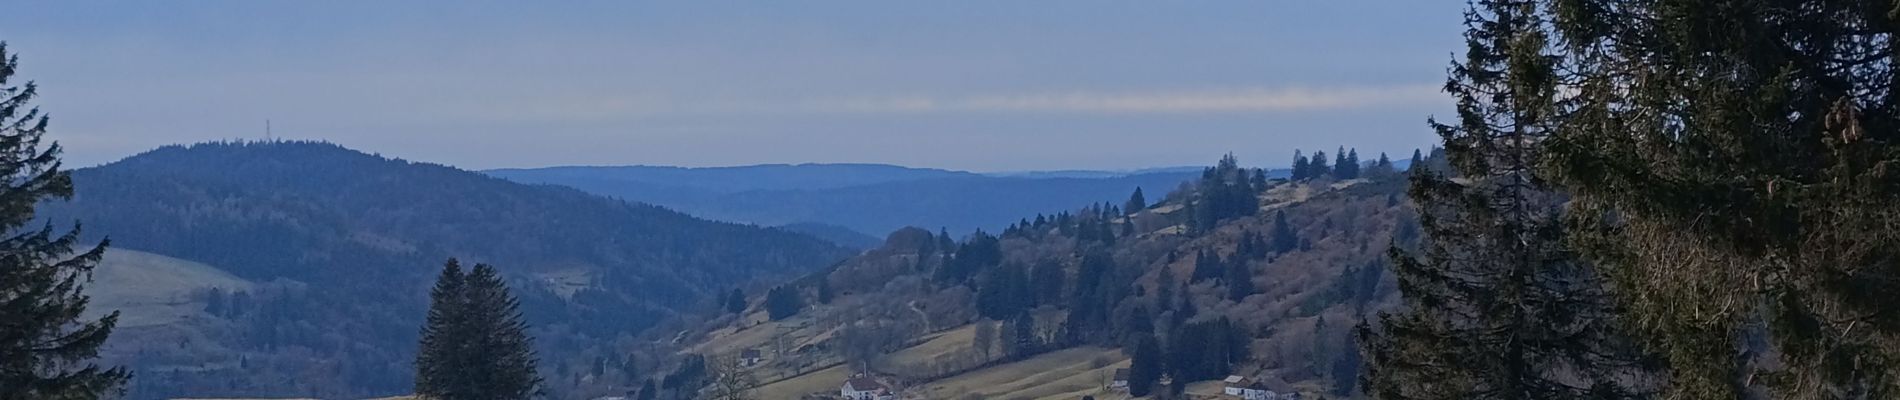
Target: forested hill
<point x="872" y="199"/>
<point x="345" y="243"/>
<point x="1237" y="273"/>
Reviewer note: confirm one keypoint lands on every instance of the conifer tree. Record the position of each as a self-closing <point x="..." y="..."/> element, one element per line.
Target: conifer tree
<point x="1207" y="265"/>
<point x="1495" y="306"/>
<point x="1733" y="165"/>
<point x="1284" y="238"/>
<point x="1238" y="280"/>
<point x="824" y="291"/>
<point x="441" y="350"/>
<point x="1136" y="202"/>
<point x="474" y="343"/>
<point x="1004" y="293"/>
<point x="735" y="301"/>
<point x="1317" y="167"/>
<point x="1342" y="166"/>
<point x="1301" y="168"/>
<point x="1045" y="282"/>
<point x="783" y="302"/>
<point x="1145" y="367"/>
<point x="1164" y="289"/>
<point x="45" y="347"/>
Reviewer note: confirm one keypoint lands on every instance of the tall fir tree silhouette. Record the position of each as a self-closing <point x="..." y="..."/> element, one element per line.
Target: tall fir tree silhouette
<point x="45" y="347"/>
<point x="474" y="343"/>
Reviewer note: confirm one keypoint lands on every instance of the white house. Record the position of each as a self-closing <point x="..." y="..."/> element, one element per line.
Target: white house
<point x="1248" y="389"/>
<point x="1121" y="379"/>
<point x="865" y="388"/>
<point x="750" y="357"/>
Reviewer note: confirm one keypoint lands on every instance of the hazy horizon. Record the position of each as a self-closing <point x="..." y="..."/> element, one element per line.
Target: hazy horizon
<point x="986" y="87"/>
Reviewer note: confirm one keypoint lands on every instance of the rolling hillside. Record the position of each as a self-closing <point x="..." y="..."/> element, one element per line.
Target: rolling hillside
<point x="912" y="310"/>
<point x="340" y="247"/>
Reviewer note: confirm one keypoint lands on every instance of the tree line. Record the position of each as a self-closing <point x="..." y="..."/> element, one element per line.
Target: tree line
<point x="1656" y="200"/>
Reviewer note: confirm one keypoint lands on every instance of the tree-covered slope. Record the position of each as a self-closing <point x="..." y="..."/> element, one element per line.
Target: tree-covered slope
<point x="1235" y="274"/>
<point x="349" y="240"/>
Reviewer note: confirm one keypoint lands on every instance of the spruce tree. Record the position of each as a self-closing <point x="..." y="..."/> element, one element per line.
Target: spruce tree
<point x="1164" y="289"/>
<point x="735" y="301"/>
<point x="1317" y="167"/>
<point x="783" y="302"/>
<point x="1733" y="164"/>
<point x="1343" y="166"/>
<point x="474" y="343"/>
<point x="1301" y="168"/>
<point x="443" y="345"/>
<point x="1495" y="305"/>
<point x="1136" y="202"/>
<point x="824" y="291"/>
<point x="1238" y="280"/>
<point x="1145" y="367"/>
<point x="45" y="347"/>
<point x="1284" y="238"/>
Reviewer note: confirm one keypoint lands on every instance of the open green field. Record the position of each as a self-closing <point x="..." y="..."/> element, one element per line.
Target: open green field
<point x="821" y="381"/>
<point x="1064" y="374"/>
<point x="150" y="289"/>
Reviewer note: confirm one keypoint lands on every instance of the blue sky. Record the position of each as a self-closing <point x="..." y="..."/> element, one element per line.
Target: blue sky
<point x="974" y="85"/>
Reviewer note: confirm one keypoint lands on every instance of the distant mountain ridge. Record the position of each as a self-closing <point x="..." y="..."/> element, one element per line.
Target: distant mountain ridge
<point x="872" y="199"/>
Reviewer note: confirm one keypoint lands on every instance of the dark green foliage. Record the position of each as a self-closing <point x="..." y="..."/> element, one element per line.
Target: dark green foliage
<point x="444" y="336"/>
<point x="1046" y="283"/>
<point x="1238" y="280"/>
<point x="647" y="391"/>
<point x="1004" y="293"/>
<point x="474" y="343"/>
<point x="1207" y="265"/>
<point x="1164" y="289"/>
<point x="824" y="291"/>
<point x="1098" y="288"/>
<point x="46" y="350"/>
<point x="1223" y="192"/>
<point x="1345" y="372"/>
<point x="216" y="303"/>
<point x="978" y="253"/>
<point x="1251" y="246"/>
<point x="1302" y="169"/>
<point x="1136" y="202"/>
<point x="1206" y="350"/>
<point x="338" y="220"/>
<point x="783" y="302"/>
<point x="1347" y="165"/>
<point x="1284" y="238"/>
<point x="1019" y="337"/>
<point x="1146" y="367"/>
<point x="690" y="375"/>
<point x="1317" y="167"/>
<point x="735" y="301"/>
<point x="1733" y="167"/>
<point x="1495" y="306"/>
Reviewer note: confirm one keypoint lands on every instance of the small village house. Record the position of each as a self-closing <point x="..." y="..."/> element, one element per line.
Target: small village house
<point x="863" y="387"/>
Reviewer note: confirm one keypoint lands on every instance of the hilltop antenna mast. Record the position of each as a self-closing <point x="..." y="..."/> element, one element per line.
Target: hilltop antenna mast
<point x="267" y="133"/>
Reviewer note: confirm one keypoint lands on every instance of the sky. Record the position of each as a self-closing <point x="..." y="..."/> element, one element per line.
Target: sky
<point x="969" y="85"/>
